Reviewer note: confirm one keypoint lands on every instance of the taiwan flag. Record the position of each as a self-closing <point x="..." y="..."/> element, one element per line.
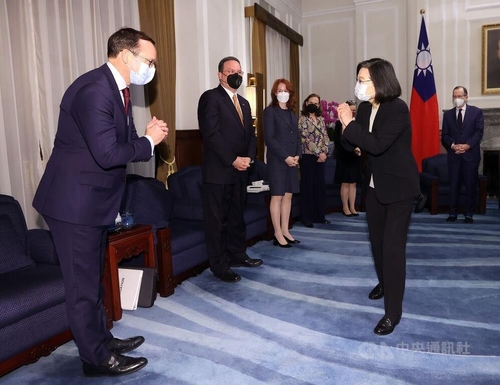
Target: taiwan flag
<point x="424" y="104"/>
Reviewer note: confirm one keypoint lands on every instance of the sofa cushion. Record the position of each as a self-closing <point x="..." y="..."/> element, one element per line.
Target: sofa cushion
<point x="148" y="200"/>
<point x="27" y="292"/>
<point x="188" y="209"/>
<point x="186" y="183"/>
<point x="13" y="254"/>
<point x="186" y="234"/>
<point x="441" y="172"/>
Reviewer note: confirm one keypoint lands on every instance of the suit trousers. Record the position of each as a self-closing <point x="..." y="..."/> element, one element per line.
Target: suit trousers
<point x="388" y="229"/>
<point x="466" y="172"/>
<point x="312" y="189"/>
<point x="81" y="251"/>
<point x="225" y="229"/>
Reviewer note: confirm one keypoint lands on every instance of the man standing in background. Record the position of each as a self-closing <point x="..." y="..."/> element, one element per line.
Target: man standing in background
<point x="461" y="135"/>
<point x="229" y="145"/>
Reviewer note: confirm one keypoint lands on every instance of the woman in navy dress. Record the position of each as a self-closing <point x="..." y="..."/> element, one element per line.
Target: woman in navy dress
<point x="282" y="139"/>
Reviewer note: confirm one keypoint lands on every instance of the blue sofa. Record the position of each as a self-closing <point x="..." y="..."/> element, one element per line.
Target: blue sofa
<point x="176" y="215"/>
<point x="434" y="181"/>
<point x="33" y="319"/>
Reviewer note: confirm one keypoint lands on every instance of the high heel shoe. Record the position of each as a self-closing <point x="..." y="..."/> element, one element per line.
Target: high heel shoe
<point x="347" y="215"/>
<point x="293" y="242"/>
<point x="355" y="214"/>
<point x="277" y="243"/>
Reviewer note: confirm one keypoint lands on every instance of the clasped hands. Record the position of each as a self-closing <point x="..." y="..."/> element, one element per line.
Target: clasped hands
<point x="321" y="158"/>
<point x="292" y="161"/>
<point x="345" y="114"/>
<point x="460" y="148"/>
<point x="157" y="130"/>
<point x="241" y="163"/>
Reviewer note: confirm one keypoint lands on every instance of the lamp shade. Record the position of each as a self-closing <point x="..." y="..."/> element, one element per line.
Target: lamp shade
<point x="251" y="95"/>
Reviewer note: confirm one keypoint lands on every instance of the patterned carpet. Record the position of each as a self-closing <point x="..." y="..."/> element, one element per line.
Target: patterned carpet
<point x="304" y="316"/>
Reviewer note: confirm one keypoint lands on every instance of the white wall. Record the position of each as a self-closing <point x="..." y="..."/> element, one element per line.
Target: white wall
<point x="208" y="30"/>
<point x="339" y="34"/>
<point x="205" y="32"/>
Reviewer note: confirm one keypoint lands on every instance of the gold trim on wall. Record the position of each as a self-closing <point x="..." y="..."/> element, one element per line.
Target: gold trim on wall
<point x="490" y="69"/>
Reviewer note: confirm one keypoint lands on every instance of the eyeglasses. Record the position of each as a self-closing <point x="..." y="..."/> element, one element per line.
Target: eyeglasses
<point x="232" y="72"/>
<point x="363" y="81"/>
<point x="151" y="63"/>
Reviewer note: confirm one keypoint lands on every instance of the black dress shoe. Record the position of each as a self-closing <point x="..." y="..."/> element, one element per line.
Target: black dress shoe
<point x="347" y="215"/>
<point x="249" y="262"/>
<point x="421" y="199"/>
<point x="115" y="365"/>
<point x="277" y="243"/>
<point x="469" y="220"/>
<point x="228" y="276"/>
<point x="386" y="326"/>
<point x="326" y="222"/>
<point x="292" y="242"/>
<point x="377" y="292"/>
<point x="451" y="218"/>
<point x="124" y="346"/>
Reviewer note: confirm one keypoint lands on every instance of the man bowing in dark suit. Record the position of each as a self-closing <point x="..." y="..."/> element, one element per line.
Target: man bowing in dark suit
<point x="80" y="192"/>
<point x="461" y="135"/>
<point x="229" y="146"/>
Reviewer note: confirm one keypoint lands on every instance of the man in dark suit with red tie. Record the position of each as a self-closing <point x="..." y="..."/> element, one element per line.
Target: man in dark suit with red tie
<point x="461" y="135"/>
<point x="229" y="145"/>
<point x="80" y="192"/>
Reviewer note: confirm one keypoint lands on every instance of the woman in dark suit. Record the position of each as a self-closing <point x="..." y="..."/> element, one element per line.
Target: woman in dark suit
<point x="282" y="138"/>
<point x="391" y="182"/>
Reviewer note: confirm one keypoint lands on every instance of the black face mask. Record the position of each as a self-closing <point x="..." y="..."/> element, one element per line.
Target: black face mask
<point x="312" y="108"/>
<point x="234" y="81"/>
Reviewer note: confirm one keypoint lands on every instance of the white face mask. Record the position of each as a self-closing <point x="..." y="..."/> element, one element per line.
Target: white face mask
<point x="143" y="76"/>
<point x="283" y="96"/>
<point x="458" y="102"/>
<point x="360" y="92"/>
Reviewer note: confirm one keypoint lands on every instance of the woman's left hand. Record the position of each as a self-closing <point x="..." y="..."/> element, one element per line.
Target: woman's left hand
<point x="321" y="157"/>
<point x="345" y="114"/>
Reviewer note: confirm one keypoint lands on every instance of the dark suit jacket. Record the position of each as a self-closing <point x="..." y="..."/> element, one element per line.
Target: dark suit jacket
<point x="224" y="137"/>
<point x="85" y="176"/>
<point x="282" y="138"/>
<point x="471" y="133"/>
<point x="388" y="147"/>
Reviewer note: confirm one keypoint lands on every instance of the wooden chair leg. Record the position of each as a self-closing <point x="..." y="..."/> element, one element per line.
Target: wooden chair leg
<point x="166" y="282"/>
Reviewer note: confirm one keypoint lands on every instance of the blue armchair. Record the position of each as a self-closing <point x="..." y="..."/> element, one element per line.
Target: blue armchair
<point x="177" y="225"/>
<point x="33" y="319"/>
<point x="434" y="182"/>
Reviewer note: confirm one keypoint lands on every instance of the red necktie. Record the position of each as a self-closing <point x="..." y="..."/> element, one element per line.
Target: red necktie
<point x="126" y="99"/>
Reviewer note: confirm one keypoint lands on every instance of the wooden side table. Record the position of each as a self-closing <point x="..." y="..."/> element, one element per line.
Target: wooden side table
<point x="123" y="245"/>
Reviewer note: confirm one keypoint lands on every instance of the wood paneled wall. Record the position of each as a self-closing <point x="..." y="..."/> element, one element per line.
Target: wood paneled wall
<point x="188" y="148"/>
